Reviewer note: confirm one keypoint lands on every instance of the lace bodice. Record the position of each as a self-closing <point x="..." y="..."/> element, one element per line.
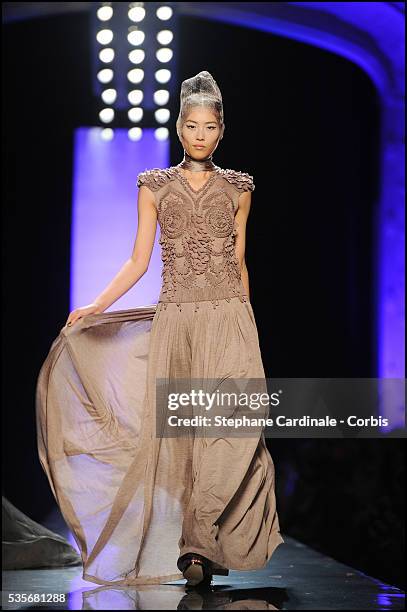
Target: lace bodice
<point x="198" y="232"/>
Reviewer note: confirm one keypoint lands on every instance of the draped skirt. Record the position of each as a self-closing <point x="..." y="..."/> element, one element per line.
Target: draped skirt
<point x="135" y="501"/>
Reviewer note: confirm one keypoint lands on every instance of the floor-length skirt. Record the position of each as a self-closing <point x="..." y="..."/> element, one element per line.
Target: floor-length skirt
<point x="135" y="501"/>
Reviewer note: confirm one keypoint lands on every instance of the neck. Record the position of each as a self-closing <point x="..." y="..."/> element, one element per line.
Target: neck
<point x="196" y="165"/>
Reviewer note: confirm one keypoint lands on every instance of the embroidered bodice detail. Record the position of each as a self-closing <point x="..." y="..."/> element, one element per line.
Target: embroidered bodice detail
<point x="198" y="232"/>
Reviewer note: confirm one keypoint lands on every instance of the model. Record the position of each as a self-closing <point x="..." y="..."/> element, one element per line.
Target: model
<point x="145" y="508"/>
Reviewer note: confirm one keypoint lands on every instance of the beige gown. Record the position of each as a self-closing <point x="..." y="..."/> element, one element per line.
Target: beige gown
<point x="135" y="501"/>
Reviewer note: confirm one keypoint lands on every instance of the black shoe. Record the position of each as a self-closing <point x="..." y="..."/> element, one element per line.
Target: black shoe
<point x="196" y="569"/>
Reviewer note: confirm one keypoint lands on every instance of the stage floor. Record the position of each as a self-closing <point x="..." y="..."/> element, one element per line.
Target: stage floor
<point x="297" y="578"/>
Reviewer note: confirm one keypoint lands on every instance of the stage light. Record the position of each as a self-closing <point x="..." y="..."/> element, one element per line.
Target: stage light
<point x="137" y="56"/>
<point x="162" y="115"/>
<point x="135" y="133"/>
<point x="135" y="97"/>
<point x="107" y="134"/>
<point x="105" y="75"/>
<point x="109" y="96"/>
<point x="135" y="114"/>
<point x="106" y="55"/>
<point x="163" y="75"/>
<point x="164" y="13"/>
<point x="136" y="37"/>
<point x="104" y="13"/>
<point x="165" y="37"/>
<point x="104" y="37"/>
<point x="164" y="54"/>
<point x="137" y="13"/>
<point x="161" y="97"/>
<point x="135" y="75"/>
<point x="106" y="115"/>
<point x="161" y="133"/>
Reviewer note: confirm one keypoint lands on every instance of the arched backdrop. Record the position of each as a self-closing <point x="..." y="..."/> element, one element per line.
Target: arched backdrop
<point x="370" y="34"/>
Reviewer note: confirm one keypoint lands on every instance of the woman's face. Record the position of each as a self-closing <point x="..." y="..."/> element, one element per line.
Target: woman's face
<point x="201" y="127"/>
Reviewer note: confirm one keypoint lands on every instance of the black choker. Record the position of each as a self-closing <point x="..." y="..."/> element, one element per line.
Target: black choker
<point x="194" y="165"/>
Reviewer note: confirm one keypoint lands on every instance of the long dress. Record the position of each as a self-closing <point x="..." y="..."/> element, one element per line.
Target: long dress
<point x="136" y="501"/>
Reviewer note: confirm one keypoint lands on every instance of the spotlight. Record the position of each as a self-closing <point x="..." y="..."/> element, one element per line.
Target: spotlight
<point x="161" y="133"/>
<point x="105" y="75"/>
<point x="135" y="114"/>
<point x="136" y="37"/>
<point x="135" y="97"/>
<point x="162" y="115"/>
<point x="164" y="13"/>
<point x="165" y="37"/>
<point x="106" y="115"/>
<point x="106" y="55"/>
<point x="164" y="54"/>
<point x="135" y="133"/>
<point x="137" y="13"/>
<point x="135" y="75"/>
<point x="109" y="96"/>
<point x="107" y="134"/>
<point x="161" y="97"/>
<point x="163" y="75"/>
<point x="104" y="37"/>
<point x="105" y="13"/>
<point x="137" y="56"/>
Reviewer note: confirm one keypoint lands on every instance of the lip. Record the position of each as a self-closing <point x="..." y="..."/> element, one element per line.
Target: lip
<point x="199" y="146"/>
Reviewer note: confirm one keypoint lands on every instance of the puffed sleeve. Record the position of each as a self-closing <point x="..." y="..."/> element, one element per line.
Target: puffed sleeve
<point x="154" y="178"/>
<point x="246" y="182"/>
<point x="241" y="180"/>
<point x="146" y="178"/>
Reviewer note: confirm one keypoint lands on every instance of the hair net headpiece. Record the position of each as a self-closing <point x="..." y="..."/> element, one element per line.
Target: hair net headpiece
<point x="200" y="90"/>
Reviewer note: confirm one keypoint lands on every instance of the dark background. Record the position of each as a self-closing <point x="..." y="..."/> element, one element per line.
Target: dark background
<point x="305" y="123"/>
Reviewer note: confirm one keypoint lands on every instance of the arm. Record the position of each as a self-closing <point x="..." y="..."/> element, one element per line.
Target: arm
<point x="240" y="244"/>
<point x="137" y="265"/>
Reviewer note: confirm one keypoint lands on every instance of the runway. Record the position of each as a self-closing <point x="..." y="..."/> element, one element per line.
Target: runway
<point x="297" y="578"/>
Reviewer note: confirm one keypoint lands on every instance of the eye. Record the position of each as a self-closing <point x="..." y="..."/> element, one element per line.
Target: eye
<point x="211" y="127"/>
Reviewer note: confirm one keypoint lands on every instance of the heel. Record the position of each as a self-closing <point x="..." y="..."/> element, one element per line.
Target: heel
<point x="219" y="570"/>
<point x="196" y="569"/>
